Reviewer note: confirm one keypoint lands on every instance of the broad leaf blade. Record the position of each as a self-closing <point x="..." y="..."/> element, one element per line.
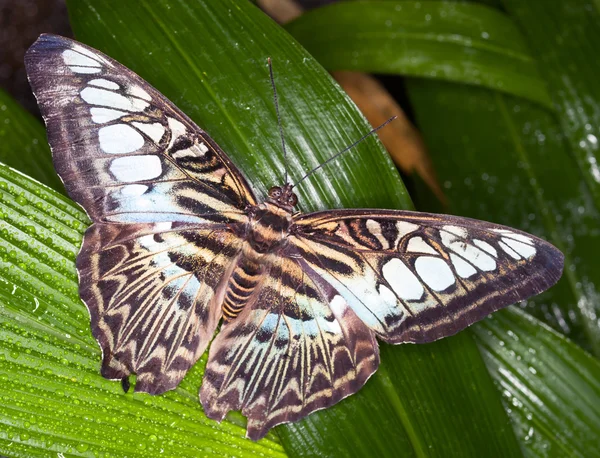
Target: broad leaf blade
<point x="23" y="143"/>
<point x="562" y="36"/>
<point x="551" y="386"/>
<point x="463" y="42"/>
<point x="219" y="102"/>
<point x="53" y="397"/>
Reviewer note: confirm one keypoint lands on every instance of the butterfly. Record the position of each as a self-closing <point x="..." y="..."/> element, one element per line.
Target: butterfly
<point x="179" y="244"/>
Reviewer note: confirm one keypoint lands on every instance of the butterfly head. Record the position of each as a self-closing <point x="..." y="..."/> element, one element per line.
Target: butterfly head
<point x="283" y="196"/>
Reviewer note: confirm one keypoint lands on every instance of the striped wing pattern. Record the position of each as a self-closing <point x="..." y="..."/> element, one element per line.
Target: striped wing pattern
<point x="298" y="347"/>
<point x="417" y="277"/>
<point x="153" y="294"/>
<point x="178" y="241"/>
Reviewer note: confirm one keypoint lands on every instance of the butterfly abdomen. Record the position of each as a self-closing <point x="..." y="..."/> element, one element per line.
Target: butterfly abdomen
<point x="266" y="235"/>
<point x="243" y="282"/>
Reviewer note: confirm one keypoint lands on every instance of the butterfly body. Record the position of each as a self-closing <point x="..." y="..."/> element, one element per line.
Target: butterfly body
<point x="179" y="242"/>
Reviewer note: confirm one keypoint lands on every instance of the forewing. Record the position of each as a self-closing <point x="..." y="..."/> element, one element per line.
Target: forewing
<point x="153" y="292"/>
<point x="123" y="151"/>
<point x="296" y="348"/>
<point x="417" y="277"/>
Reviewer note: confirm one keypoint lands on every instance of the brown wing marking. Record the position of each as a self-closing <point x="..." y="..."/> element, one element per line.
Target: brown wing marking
<point x="123" y="151"/>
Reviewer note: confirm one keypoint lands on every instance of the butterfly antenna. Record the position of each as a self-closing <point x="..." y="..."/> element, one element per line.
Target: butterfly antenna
<point x="278" y="119"/>
<point x="344" y="150"/>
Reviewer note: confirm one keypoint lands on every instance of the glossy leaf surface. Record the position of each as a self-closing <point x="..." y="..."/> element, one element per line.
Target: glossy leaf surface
<point x="213" y="66"/>
<point x="463" y="42"/>
<point x="550" y="386"/>
<point x="54" y="400"/>
<point x="23" y="143"/>
<point x="562" y="35"/>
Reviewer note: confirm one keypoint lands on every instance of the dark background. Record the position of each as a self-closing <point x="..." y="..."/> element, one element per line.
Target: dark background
<point x="21" y="22"/>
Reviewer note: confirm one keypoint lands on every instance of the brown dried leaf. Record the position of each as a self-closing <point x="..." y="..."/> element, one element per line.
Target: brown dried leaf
<point x="401" y="138"/>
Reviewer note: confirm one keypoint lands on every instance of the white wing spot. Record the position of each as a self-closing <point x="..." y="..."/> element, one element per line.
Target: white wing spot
<point x="104" y="115"/>
<point x="486" y="247"/>
<point x="404" y="283"/>
<point x="330" y="326"/>
<point x="463" y="268"/>
<point x="184" y="153"/>
<point x="474" y="255"/>
<point x="101" y="82"/>
<point x="134" y="190"/>
<point x="177" y="130"/>
<point x="524" y="249"/>
<point x="136" y="168"/>
<point x="103" y="97"/>
<point x="508" y="250"/>
<point x="338" y="305"/>
<point x="405" y="227"/>
<point x="155" y="131"/>
<point x="85" y="70"/>
<point x="80" y="49"/>
<point x="163" y="226"/>
<point x="514" y="235"/>
<point x="139" y="92"/>
<point x="418" y="245"/>
<point x="74" y="58"/>
<point x="388" y="297"/>
<point x="203" y="148"/>
<point x="456" y="230"/>
<point x="435" y="272"/>
<point x="375" y="229"/>
<point x="120" y="139"/>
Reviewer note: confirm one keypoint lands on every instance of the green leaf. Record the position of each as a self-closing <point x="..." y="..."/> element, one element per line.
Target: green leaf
<point x="462" y="42"/>
<point x="53" y="397"/>
<point x="562" y="36"/>
<point x="504" y="159"/>
<point x="551" y="386"/>
<point x="23" y="143"/>
<point x="210" y="59"/>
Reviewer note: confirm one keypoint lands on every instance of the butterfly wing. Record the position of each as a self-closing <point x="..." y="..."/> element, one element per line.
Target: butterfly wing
<point x="153" y="292"/>
<point x="417" y="277"/>
<point x="124" y="152"/>
<point x="295" y="348"/>
<point x="164" y="199"/>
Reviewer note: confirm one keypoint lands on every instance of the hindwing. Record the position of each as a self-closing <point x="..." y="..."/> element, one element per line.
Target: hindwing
<point x="418" y="277"/>
<point x="296" y="347"/>
<point x="153" y="295"/>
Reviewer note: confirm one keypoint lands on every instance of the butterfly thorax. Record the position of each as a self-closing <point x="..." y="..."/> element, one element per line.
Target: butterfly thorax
<point x="269" y="222"/>
<point x="268" y="228"/>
